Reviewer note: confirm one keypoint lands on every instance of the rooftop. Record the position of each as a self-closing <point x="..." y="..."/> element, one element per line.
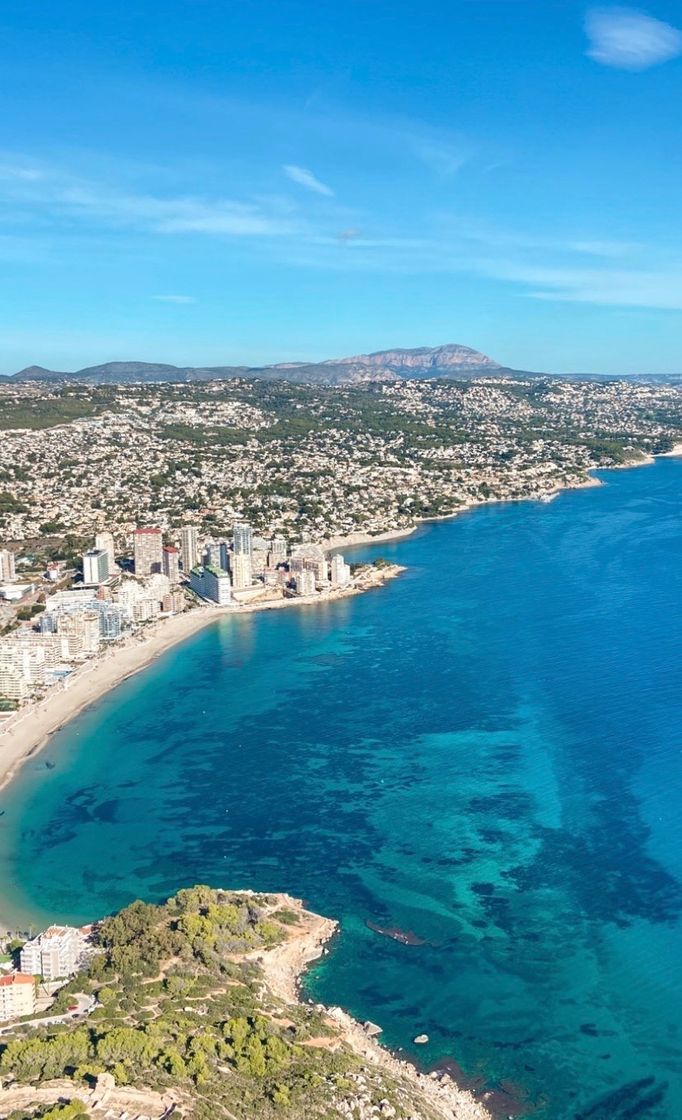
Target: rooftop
<point x="16" y="978"/>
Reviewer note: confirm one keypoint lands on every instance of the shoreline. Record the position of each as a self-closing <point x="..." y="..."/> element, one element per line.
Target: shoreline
<point x="284" y="967"/>
<point x="25" y="734"/>
<point x="356" y="540"/>
<point x="89" y="683"/>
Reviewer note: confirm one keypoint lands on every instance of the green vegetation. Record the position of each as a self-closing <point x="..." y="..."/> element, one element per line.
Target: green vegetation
<point x="60" y="406"/>
<point x="182" y="1003"/>
<point x="72" y="1110"/>
<point x="25" y="614"/>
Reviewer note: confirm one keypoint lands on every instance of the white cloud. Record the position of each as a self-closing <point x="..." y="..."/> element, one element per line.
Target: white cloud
<point x="659" y="287"/>
<point x="629" y="39"/>
<point x="175" y="299"/>
<point x="174" y="215"/>
<point x="306" y="179"/>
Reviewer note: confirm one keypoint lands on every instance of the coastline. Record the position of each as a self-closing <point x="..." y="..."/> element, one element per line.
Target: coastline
<point x="283" y="968"/>
<point x="22" y="736"/>
<point x="356" y="539"/>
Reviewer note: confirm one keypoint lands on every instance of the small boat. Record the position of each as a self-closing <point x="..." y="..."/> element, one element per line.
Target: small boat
<point x="50" y="765"/>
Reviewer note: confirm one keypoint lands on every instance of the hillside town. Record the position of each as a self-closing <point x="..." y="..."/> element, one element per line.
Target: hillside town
<point x="305" y="462"/>
<point x="114" y="499"/>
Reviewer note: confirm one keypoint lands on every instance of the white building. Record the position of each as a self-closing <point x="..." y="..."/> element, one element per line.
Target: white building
<point x="8" y="570"/>
<point x="12" y="683"/>
<point x="95" y="567"/>
<point x="340" y="571"/>
<point x="242" y="570"/>
<point x="277" y="553"/>
<point x="305" y="582"/>
<point x="189" y="548"/>
<point x="213" y="584"/>
<point x="104" y="542"/>
<point x="80" y="634"/>
<point x="53" y="954"/>
<point x="17" y="996"/>
<point x="315" y="560"/>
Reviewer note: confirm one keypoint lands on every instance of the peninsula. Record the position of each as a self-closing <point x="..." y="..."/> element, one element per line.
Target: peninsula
<point x="193" y="1010"/>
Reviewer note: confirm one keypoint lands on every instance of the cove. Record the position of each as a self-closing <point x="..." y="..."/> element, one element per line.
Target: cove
<point x="486" y="753"/>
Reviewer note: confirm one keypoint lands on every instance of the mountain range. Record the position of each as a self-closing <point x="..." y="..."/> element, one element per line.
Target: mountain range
<point x="451" y="360"/>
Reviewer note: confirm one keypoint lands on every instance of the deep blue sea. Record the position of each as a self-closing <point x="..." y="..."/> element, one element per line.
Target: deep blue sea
<point x="486" y="753"/>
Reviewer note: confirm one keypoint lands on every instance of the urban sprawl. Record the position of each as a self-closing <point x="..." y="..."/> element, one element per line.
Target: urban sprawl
<point x="63" y="628"/>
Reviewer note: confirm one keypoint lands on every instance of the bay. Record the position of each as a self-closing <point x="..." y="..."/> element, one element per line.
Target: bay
<point x="486" y="754"/>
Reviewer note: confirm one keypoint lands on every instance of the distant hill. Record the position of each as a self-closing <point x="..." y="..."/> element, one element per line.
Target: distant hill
<point x="451" y="360"/>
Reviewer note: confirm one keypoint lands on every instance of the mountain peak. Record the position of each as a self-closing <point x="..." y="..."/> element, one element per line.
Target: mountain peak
<point x="450" y="360"/>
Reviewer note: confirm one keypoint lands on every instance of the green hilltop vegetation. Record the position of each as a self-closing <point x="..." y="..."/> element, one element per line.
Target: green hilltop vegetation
<point x="183" y="1004"/>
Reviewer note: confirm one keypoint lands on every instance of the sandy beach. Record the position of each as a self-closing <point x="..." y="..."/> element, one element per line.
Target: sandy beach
<point x="23" y="734"/>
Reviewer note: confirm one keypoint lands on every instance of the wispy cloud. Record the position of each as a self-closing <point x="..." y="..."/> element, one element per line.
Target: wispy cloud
<point x="629" y="39"/>
<point x="441" y="156"/>
<point x="40" y="193"/>
<point x="654" y="287"/>
<point x="173" y="215"/>
<point x="175" y="299"/>
<point x="586" y="265"/>
<point x="19" y="172"/>
<point x="306" y="179"/>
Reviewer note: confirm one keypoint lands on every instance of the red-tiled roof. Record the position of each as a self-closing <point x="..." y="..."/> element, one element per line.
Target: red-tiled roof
<point x="16" y="978"/>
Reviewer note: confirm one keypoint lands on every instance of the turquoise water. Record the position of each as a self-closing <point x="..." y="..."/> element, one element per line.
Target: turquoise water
<point x="486" y="753"/>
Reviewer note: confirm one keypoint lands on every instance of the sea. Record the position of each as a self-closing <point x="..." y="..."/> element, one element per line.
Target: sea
<point x="476" y="769"/>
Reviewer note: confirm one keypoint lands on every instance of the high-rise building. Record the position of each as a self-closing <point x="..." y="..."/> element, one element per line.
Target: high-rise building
<point x="95" y="567"/>
<point x="105" y="542"/>
<point x="8" y="570"/>
<point x="171" y="564"/>
<point x="148" y="544"/>
<point x="110" y="621"/>
<point x="340" y="571"/>
<point x="189" y="548"/>
<point x="242" y="572"/>
<point x="242" y="539"/>
<point x="305" y="582"/>
<point x="54" y="954"/>
<point x="315" y="559"/>
<point x="12" y="683"/>
<point x="277" y="552"/>
<point x="211" y="583"/>
<point x="213" y="554"/>
<point x="80" y="634"/>
<point x="17" y="996"/>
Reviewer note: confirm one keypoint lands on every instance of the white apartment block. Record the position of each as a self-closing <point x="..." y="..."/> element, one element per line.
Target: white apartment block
<point x="53" y="954"/>
<point x="95" y="567"/>
<point x="189" y="548"/>
<point x="212" y="583"/>
<point x="8" y="571"/>
<point x="104" y="542"/>
<point x="305" y="582"/>
<point x="241" y="566"/>
<point x="340" y="571"/>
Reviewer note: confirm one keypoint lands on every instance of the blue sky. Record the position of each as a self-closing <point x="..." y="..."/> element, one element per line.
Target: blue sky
<point x="218" y="181"/>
